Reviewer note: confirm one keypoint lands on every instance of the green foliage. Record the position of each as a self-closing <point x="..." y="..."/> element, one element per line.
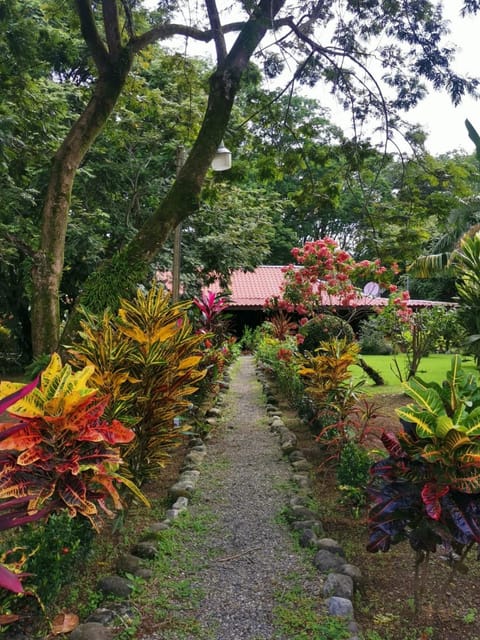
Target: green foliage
<point x="57" y="546"/>
<point x="280" y="358"/>
<point x="215" y="360"/>
<point x="323" y="328"/>
<point x="117" y="279"/>
<point x="435" y="328"/>
<point x="372" y="339"/>
<point x="37" y="365"/>
<point x="466" y="263"/>
<point x="232" y="230"/>
<point x="250" y="338"/>
<point x="353" y="466"/>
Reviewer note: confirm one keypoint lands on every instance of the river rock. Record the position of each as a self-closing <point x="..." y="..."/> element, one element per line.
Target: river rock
<point x="338" y="584"/>
<point x="115" y="586"/>
<point x="326" y="561"/>
<point x="341" y="607"/>
<point x="145" y="549"/>
<point x="331" y="545"/>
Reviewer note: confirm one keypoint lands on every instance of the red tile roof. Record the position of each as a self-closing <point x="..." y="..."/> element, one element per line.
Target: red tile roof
<point x="253" y="288"/>
<point x="250" y="290"/>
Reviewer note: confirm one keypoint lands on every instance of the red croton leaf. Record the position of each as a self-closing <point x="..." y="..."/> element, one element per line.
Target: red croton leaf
<point x="431" y="494"/>
<point x="21" y="438"/>
<point x="10" y="581"/>
<point x="88" y="426"/>
<point x="391" y="444"/>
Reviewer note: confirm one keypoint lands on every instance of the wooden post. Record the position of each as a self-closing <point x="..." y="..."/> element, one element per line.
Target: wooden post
<point x="177" y="239"/>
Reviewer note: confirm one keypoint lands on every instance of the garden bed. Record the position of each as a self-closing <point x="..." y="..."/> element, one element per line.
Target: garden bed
<point x="384" y="606"/>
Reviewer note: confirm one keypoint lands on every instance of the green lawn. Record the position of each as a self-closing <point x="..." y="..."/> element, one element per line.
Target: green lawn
<point x="433" y="367"/>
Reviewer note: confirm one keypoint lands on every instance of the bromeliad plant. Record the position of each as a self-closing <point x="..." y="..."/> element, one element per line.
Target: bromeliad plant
<point x="427" y="490"/>
<point x="211" y="306"/>
<point x="148" y="359"/>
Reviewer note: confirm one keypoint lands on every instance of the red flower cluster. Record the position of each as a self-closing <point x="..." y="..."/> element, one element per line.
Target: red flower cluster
<point x="325" y="274"/>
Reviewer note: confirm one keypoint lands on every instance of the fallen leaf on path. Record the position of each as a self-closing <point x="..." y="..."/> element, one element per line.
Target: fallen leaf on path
<point x="64" y="623"/>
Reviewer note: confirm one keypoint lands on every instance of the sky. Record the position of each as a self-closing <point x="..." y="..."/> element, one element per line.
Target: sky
<point x="436" y="114"/>
<point x="443" y="121"/>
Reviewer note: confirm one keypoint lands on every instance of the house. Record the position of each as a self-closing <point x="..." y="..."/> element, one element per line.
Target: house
<point x="250" y="290"/>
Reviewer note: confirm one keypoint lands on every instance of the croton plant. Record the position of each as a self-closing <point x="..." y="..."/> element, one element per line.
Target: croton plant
<point x="428" y="488"/>
<point x="60" y="454"/>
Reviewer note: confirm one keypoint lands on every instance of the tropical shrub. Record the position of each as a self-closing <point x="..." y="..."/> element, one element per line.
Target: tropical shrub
<point x="147" y="358"/>
<point x="64" y="454"/>
<point x="280" y="358"/>
<point x="214" y="363"/>
<point x="466" y="263"/>
<point x="211" y="318"/>
<point x="353" y="472"/>
<point x="427" y="490"/>
<point x="326" y="275"/>
<point x="328" y="384"/>
<point x="250" y="339"/>
<point x="53" y="550"/>
<point x="426" y="330"/>
<point x="323" y="328"/>
<point x="372" y="339"/>
<point x="280" y="325"/>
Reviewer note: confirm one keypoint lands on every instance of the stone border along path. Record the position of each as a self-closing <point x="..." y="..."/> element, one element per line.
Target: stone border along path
<point x="248" y="553"/>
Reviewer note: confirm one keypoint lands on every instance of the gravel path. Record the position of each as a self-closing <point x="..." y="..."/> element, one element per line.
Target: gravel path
<point x="249" y="550"/>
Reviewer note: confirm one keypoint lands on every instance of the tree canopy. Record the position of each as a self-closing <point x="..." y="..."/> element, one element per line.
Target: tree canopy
<point x="83" y="79"/>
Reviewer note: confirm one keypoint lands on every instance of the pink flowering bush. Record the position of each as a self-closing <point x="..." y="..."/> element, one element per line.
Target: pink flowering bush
<point x="326" y="275"/>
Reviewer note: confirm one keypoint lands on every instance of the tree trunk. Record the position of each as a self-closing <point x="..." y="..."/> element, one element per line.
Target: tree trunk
<point x="113" y="62"/>
<point x="49" y="259"/>
<point x="117" y="278"/>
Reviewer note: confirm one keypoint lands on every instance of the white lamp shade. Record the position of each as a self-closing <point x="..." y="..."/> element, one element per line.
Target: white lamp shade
<point x="222" y="159"/>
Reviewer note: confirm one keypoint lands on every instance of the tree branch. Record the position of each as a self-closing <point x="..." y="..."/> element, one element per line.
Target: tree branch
<point x="168" y="30"/>
<point x="19" y="244"/>
<point x="218" y="36"/>
<point x="110" y="23"/>
<point x="91" y="35"/>
<point x="182" y="199"/>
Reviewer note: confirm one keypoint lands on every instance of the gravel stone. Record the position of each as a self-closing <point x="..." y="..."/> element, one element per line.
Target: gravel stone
<point x="247" y="552"/>
<point x="91" y="631"/>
